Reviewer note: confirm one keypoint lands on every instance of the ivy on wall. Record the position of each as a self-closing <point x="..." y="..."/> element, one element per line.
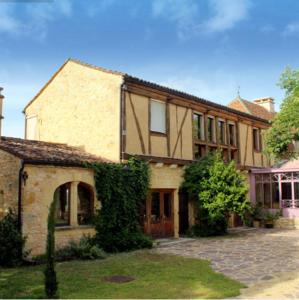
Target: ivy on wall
<point x="122" y="189"/>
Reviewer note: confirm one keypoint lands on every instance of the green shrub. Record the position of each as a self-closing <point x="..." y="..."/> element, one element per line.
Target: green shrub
<point x="122" y="188"/>
<point x="51" y="284"/>
<point x="85" y="249"/>
<point x="218" y="190"/>
<point x="11" y="241"/>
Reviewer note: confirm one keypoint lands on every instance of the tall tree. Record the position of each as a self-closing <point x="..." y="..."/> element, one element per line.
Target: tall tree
<point x="284" y="133"/>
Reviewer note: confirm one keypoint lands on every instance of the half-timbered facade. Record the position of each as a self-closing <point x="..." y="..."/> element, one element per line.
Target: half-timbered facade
<point x="116" y="116"/>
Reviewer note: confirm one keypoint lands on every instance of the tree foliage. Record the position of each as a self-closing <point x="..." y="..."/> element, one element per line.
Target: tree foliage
<point x="51" y="284"/>
<point x="122" y="189"/>
<point x="285" y="126"/>
<point x="218" y="189"/>
<point x="11" y="241"/>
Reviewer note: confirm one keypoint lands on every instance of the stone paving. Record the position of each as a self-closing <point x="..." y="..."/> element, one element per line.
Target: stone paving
<point x="266" y="260"/>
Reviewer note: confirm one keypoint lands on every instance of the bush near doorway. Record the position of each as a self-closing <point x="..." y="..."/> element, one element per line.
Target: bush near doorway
<point x="11" y="241"/>
<point x="218" y="190"/>
<point x="121" y="188"/>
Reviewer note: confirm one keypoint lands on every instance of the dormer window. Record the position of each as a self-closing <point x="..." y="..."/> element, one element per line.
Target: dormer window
<point x="158" y="116"/>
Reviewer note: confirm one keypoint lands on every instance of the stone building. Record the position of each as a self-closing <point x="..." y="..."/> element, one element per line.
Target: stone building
<point x="115" y="115"/>
<point x="33" y="173"/>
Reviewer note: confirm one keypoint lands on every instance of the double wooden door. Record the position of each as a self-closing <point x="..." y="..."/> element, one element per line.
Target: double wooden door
<point x="158" y="218"/>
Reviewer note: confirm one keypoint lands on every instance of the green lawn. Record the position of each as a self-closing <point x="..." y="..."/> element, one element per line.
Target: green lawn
<point x="157" y="276"/>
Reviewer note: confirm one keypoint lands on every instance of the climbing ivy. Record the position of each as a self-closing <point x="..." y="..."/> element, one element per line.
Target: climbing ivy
<point x="122" y="189"/>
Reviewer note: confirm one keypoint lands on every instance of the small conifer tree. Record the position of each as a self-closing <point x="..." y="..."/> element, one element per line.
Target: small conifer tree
<point x="51" y="284"/>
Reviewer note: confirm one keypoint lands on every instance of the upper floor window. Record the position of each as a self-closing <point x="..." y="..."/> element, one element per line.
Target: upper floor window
<point x="211" y="129"/>
<point x="158" y="116"/>
<point x="198" y="126"/>
<point x="221" y="130"/>
<point x="232" y="134"/>
<point x="256" y="139"/>
<point x="31" y="128"/>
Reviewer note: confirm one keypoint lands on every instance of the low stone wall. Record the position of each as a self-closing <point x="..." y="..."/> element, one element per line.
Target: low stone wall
<point x="64" y="235"/>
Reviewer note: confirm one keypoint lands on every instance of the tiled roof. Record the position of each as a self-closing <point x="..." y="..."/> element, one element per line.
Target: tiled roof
<point x="251" y="108"/>
<point x="187" y="96"/>
<point x="38" y="152"/>
<point x="128" y="78"/>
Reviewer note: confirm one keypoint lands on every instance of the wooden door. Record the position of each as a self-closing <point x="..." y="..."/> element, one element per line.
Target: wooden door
<point x="158" y="221"/>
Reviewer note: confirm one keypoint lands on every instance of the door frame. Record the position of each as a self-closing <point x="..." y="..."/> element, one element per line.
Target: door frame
<point x="147" y="221"/>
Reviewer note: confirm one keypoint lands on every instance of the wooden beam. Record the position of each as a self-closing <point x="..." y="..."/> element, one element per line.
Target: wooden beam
<point x="137" y="125"/>
<point x="180" y="131"/>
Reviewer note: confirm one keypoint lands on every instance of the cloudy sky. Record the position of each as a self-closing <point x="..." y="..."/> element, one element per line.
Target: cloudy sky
<point x="204" y="47"/>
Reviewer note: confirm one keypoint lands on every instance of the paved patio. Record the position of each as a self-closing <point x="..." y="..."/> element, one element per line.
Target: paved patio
<point x="266" y="260"/>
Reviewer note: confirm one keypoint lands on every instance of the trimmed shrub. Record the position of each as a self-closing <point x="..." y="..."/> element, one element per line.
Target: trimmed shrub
<point x="122" y="188"/>
<point x="11" y="241"/>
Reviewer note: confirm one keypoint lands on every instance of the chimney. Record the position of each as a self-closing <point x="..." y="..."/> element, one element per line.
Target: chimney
<point x="1" y="112"/>
<point x="266" y="102"/>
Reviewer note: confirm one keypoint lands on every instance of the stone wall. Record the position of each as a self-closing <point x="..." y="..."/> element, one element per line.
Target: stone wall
<point x="80" y="107"/>
<point x="9" y="182"/>
<point x="38" y="194"/>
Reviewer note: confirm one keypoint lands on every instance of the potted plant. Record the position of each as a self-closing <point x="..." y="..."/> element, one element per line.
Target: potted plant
<point x="270" y="218"/>
<point x="258" y="215"/>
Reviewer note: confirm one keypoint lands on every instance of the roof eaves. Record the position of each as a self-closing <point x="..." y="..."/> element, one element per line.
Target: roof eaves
<point x="132" y="79"/>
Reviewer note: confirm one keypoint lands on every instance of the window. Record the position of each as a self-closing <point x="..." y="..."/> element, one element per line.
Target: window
<point x="232" y="134"/>
<point x="256" y="139"/>
<point x="167" y="205"/>
<point x="199" y="151"/>
<point x="85" y="205"/>
<point x="158" y="116"/>
<point x="211" y="129"/>
<point x="31" y="128"/>
<point x="221" y="130"/>
<point x="62" y="198"/>
<point x="155" y="209"/>
<point x="198" y="126"/>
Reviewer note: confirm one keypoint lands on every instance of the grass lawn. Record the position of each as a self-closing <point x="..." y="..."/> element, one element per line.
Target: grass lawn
<point x="156" y="276"/>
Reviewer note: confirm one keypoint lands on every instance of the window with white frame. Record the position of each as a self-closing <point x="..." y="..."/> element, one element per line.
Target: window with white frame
<point x="31" y="128"/>
<point x="158" y="116"/>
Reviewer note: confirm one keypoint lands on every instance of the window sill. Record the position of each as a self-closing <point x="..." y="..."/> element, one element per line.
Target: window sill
<point x="156" y="133"/>
<point x="68" y="227"/>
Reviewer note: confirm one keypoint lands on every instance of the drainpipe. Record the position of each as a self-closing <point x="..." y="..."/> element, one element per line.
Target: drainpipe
<point x="122" y="121"/>
<point x="20" y="196"/>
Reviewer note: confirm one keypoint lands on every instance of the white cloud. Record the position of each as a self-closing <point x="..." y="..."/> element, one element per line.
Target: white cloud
<point x="224" y="15"/>
<point x="181" y="12"/>
<point x="34" y="18"/>
<point x="220" y="88"/>
<point x="291" y="28"/>
<point x="7" y="21"/>
<point x="93" y="8"/>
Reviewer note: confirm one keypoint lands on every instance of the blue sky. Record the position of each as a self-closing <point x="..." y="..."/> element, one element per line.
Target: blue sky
<point x="204" y="47"/>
